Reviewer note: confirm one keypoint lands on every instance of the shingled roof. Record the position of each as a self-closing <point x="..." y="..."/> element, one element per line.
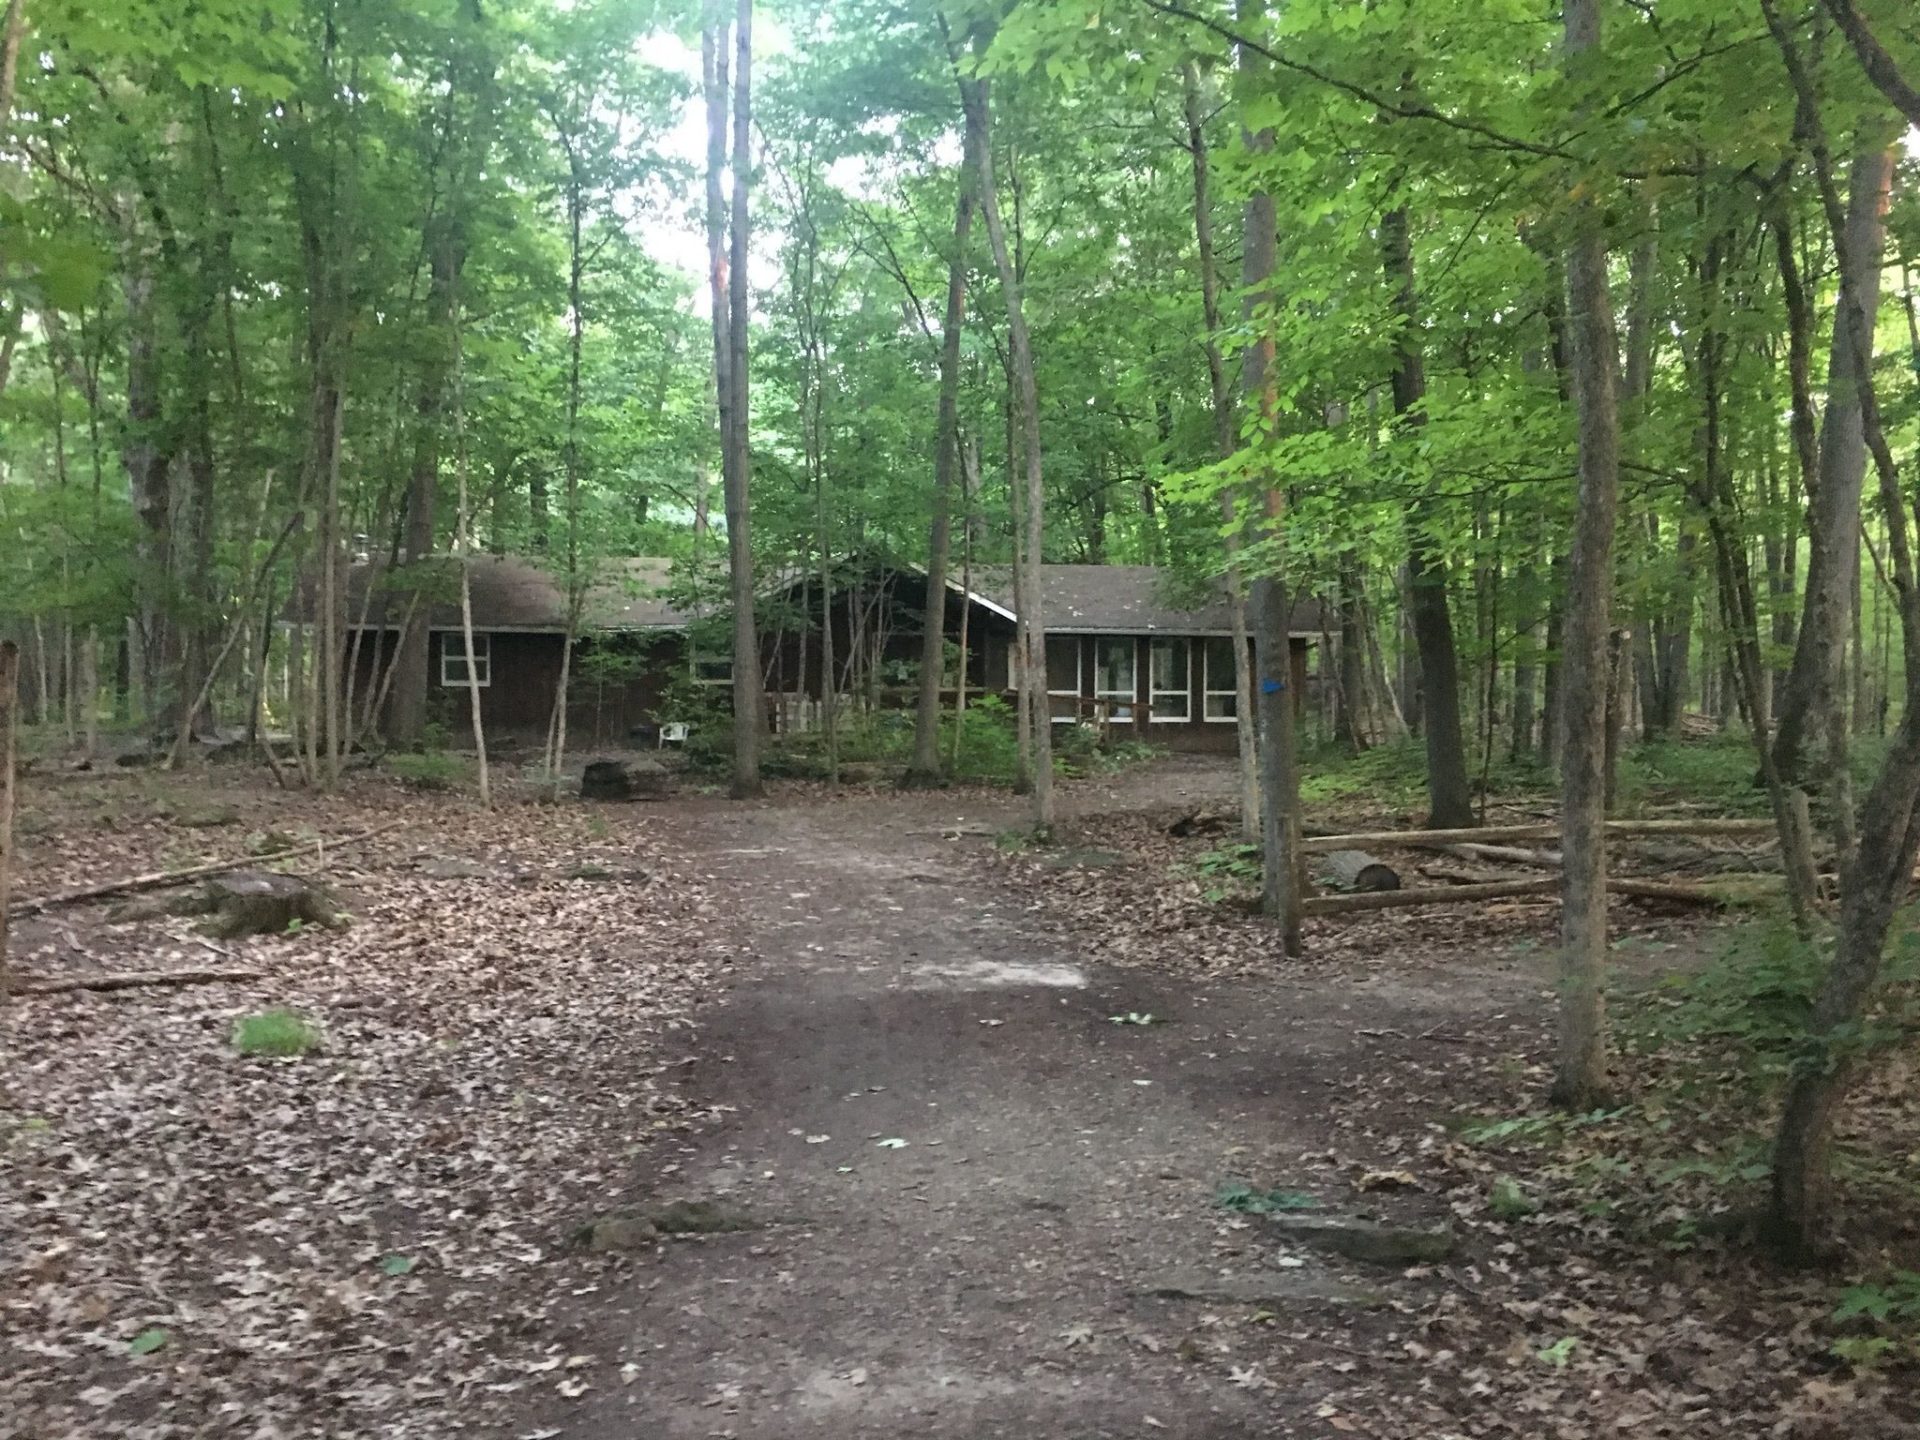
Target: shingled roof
<point x="1126" y="600"/>
<point x="514" y="594"/>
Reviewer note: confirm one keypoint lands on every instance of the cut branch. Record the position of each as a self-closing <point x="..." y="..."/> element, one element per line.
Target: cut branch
<point x="135" y="979"/>
<point x="159" y="879"/>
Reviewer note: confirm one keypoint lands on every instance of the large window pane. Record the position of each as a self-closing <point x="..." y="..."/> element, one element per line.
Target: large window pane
<point x="1222" y="693"/>
<point x="1063" y="665"/>
<point x="1168" y="675"/>
<point x="1113" y="668"/>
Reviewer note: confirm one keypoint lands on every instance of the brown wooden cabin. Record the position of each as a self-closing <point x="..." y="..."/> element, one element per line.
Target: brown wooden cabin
<point x="1120" y="654"/>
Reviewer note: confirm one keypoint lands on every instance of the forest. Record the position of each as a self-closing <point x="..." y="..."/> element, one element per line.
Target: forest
<point x="1564" y="359"/>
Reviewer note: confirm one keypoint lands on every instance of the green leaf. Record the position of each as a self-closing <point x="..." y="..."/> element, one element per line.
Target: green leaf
<point x="148" y="1340"/>
<point x="1245" y="1200"/>
<point x="398" y="1265"/>
<point x="1560" y="1352"/>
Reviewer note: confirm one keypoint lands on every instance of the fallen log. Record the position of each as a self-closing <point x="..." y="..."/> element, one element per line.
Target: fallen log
<point x="1460" y="875"/>
<point x="1666" y="890"/>
<point x="1443" y="895"/>
<point x="1358" y="872"/>
<point x="1440" y="839"/>
<point x="156" y="879"/>
<point x="133" y="979"/>
<point x="1502" y="890"/>
<point x="1508" y="854"/>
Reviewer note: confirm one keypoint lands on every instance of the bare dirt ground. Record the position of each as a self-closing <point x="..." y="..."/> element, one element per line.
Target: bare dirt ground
<point x="972" y="1205"/>
<point x="975" y="1191"/>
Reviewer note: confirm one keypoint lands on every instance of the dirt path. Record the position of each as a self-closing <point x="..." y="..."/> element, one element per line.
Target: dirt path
<point x="990" y="1276"/>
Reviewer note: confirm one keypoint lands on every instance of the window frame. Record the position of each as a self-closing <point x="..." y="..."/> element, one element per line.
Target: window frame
<point x="696" y="659"/>
<point x="1079" y="678"/>
<point x="1185" y="649"/>
<point x="1129" y="697"/>
<point x="483" y="653"/>
<point x="1209" y="692"/>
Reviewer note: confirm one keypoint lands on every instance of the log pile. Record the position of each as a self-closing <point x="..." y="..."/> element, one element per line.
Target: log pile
<point x="1369" y="884"/>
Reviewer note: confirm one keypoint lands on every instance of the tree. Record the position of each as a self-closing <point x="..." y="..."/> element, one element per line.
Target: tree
<point x="1580" y="1075"/>
<point x="924" y="769"/>
<point x="1025" y="439"/>
<point x="727" y="239"/>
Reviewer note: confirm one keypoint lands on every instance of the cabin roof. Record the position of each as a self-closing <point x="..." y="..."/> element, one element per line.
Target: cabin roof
<point x="1128" y="600"/>
<point x="510" y="593"/>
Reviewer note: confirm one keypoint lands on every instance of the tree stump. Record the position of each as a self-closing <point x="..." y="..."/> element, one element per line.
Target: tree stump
<point x="255" y="902"/>
<point x="1356" y="870"/>
<point x="639" y="779"/>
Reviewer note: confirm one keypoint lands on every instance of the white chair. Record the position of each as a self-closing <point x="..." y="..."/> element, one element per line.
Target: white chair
<point x="673" y="733"/>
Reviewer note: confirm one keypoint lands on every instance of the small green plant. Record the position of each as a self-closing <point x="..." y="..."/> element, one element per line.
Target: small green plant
<point x="1886" y="1317"/>
<point x="1228" y="867"/>
<point x="431" y="770"/>
<point x="1243" y="1199"/>
<point x="275" y="1032"/>
<point x="1559" y="1352"/>
<point x="148" y="1340"/>
<point x="1509" y="1200"/>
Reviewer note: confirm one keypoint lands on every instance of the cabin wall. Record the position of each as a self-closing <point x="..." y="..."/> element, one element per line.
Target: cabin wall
<point x="1079" y="670"/>
<point x="618" y="685"/>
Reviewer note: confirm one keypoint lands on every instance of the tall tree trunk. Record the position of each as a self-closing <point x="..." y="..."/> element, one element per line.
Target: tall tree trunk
<point x="1353" y="722"/>
<point x="749" y="693"/>
<point x="970" y="482"/>
<point x="1581" y="1072"/>
<point x="333" y="596"/>
<point x="1281" y="868"/>
<point x="1876" y="876"/>
<point x="411" y="684"/>
<point x="12" y="29"/>
<point x="464" y="543"/>
<point x="924" y="769"/>
<point x="1815" y="683"/>
<point x="149" y="466"/>
<point x="1225" y="440"/>
<point x="976" y="95"/>
<point x="576" y="578"/>
<point x="1450" y="798"/>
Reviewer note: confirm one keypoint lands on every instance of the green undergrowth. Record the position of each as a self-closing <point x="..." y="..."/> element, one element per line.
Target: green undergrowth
<point x="434" y="771"/>
<point x="277" y="1032"/>
<point x="1684" y="1161"/>
<point x="988" y="747"/>
<point x="1711" y="775"/>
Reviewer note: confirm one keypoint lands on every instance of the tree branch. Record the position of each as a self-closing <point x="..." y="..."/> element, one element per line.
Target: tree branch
<point x="1875" y="60"/>
<point x="1381" y="101"/>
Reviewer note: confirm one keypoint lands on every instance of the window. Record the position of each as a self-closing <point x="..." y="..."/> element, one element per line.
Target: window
<point x="1113" y="674"/>
<point x="712" y="669"/>
<point x="453" y="660"/>
<point x="1063" y="677"/>
<point x="1222" y="697"/>
<point x="1170" y="676"/>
